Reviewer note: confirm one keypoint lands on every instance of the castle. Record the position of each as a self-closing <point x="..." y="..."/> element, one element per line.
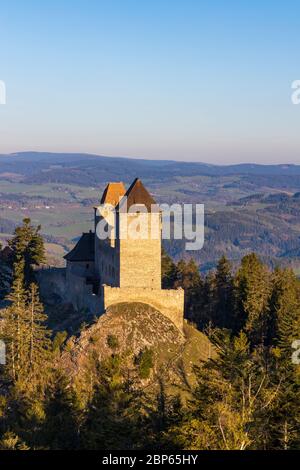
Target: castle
<point x="125" y="265"/>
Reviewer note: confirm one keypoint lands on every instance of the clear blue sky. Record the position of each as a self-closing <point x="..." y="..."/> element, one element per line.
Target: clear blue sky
<point x="189" y="80"/>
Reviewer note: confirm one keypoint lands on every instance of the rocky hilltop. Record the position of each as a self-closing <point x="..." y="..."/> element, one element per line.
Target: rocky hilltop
<point x="129" y="329"/>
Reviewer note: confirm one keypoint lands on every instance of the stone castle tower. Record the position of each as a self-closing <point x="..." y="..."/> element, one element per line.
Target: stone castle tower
<point x="120" y="261"/>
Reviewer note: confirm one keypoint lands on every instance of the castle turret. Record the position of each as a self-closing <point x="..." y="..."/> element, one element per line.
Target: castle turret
<point x="138" y="238"/>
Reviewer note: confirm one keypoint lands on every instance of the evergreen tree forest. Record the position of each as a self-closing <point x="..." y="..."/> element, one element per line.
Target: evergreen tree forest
<point x="246" y="396"/>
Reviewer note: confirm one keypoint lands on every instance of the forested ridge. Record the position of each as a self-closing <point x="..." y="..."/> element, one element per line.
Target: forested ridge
<point x="246" y="396"/>
<point x="248" y="208"/>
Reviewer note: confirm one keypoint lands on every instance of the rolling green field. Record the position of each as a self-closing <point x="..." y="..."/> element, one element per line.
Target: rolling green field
<point x="244" y="212"/>
<point x="62" y="214"/>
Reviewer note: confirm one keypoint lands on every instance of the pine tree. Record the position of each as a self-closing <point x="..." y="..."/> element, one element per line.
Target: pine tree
<point x="285" y="308"/>
<point x="253" y="289"/>
<point x="164" y="415"/>
<point x="5" y="280"/>
<point x="24" y="415"/>
<point x="11" y="441"/>
<point x="232" y="397"/>
<point x="15" y="327"/>
<point x="205" y="319"/>
<point x="113" y="419"/>
<point x="25" y="334"/>
<point x="189" y="279"/>
<point x="224" y="304"/>
<point x="168" y="271"/>
<point x="39" y="343"/>
<point x="63" y="415"/>
<point x="5" y="275"/>
<point x="28" y="246"/>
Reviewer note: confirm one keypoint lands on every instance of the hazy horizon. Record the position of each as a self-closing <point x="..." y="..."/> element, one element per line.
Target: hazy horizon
<point x="187" y="81"/>
<point x="148" y="159"/>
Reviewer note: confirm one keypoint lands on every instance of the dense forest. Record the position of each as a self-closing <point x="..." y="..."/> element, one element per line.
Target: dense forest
<point x="246" y="395"/>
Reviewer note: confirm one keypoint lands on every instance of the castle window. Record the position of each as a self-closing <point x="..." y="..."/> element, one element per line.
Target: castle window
<point x="87" y="266"/>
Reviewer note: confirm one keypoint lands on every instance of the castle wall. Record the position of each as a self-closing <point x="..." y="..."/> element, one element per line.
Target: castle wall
<point x="52" y="283"/>
<point x="81" y="268"/>
<point x="81" y="295"/>
<point x="108" y="264"/>
<point x="106" y="255"/>
<point x="140" y="258"/>
<point x="97" y="246"/>
<point x="61" y="285"/>
<point x="169" y="302"/>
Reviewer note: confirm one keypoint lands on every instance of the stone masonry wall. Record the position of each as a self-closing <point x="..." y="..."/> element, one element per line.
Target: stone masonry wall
<point x="169" y="302"/>
<point x="140" y="259"/>
<point x="81" y="295"/>
<point x="58" y="286"/>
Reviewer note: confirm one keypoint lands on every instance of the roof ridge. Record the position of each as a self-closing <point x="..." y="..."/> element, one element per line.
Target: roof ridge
<point x="138" y="194"/>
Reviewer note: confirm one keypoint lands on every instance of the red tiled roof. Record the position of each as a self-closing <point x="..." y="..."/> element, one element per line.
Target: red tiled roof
<point x="113" y="193"/>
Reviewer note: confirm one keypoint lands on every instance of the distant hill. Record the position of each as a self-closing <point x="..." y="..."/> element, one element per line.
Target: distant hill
<point x="87" y="169"/>
<point x="248" y="207"/>
<point x="266" y="224"/>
